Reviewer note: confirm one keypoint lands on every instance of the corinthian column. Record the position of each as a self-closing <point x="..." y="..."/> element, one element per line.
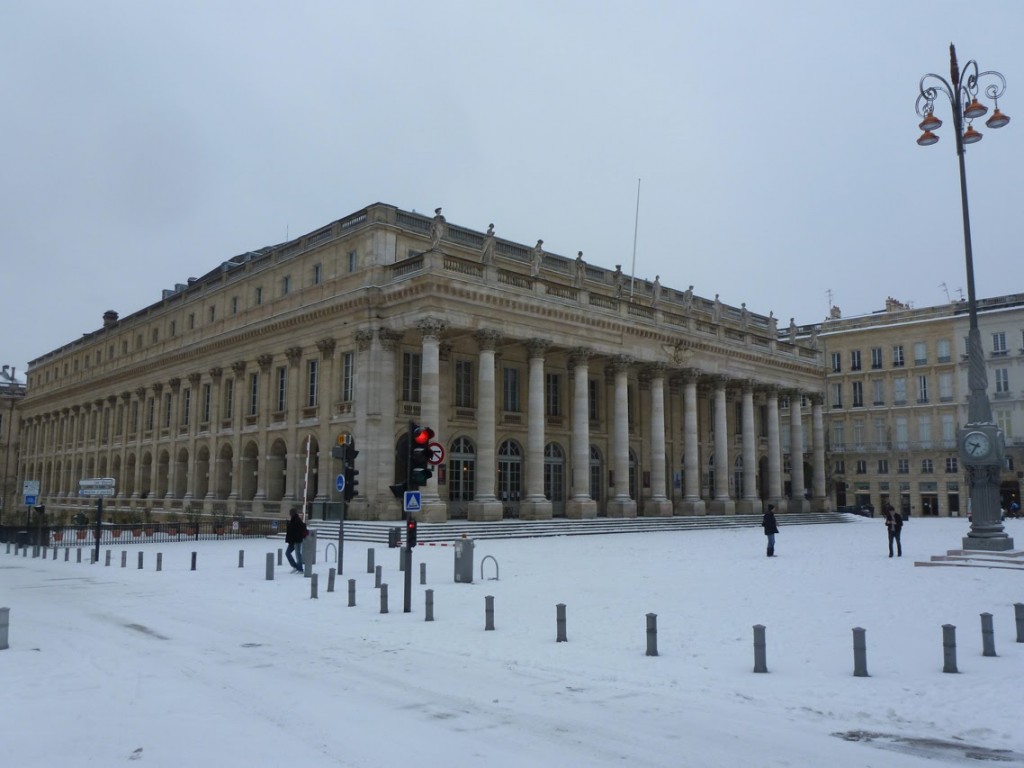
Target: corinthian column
<point x="722" y="503"/>
<point x="749" y="503"/>
<point x="580" y="505"/>
<point x="485" y="505"/>
<point x="536" y="506"/>
<point x="621" y="505"/>
<point x="774" y="452"/>
<point x="818" y="500"/>
<point x="434" y="509"/>
<point x="692" y="502"/>
<point x="659" y="503"/>
<point x="796" y="454"/>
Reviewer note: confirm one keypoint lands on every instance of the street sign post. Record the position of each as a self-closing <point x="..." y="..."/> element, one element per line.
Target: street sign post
<point x="99" y="487"/>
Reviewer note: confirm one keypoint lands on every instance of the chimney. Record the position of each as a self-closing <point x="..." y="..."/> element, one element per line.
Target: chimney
<point x="109" y="318"/>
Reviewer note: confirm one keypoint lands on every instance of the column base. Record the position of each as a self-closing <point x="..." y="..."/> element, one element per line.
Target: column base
<point x="692" y="507"/>
<point x="990" y="544"/>
<point x="484" y="511"/>
<point x="799" y="505"/>
<point x="658" y="508"/>
<point x="581" y="509"/>
<point x="624" y="507"/>
<point x="536" y="509"/>
<point x="821" y="504"/>
<point x="722" y="507"/>
<point x="780" y="503"/>
<point x="749" y="507"/>
<point x="434" y="511"/>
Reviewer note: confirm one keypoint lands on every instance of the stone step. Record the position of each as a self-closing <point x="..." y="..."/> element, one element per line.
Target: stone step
<point x="377" y="531"/>
<point x="1012" y="560"/>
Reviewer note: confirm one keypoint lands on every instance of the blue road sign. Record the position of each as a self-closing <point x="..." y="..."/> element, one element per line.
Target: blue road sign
<point x="30" y="500"/>
<point x="412" y="502"/>
<point x="340" y="483"/>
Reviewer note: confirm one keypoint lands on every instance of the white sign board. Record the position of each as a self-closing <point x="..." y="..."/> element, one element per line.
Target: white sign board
<point x="30" y="488"/>
<point x="96" y="486"/>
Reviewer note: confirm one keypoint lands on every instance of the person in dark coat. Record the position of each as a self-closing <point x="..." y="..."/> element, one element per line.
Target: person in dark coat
<point x="294" y="535"/>
<point x="771" y="527"/>
<point x="894" y="525"/>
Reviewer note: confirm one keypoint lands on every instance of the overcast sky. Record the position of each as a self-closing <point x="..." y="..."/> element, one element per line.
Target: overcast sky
<point x="145" y="142"/>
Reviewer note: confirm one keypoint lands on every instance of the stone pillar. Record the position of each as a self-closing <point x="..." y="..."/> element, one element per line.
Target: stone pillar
<point x="154" y="468"/>
<point x="722" y="504"/>
<point x="385" y="436"/>
<point x="819" y="500"/>
<point x="434" y="509"/>
<point x="749" y="504"/>
<point x="266" y="364"/>
<point x="796" y="454"/>
<point x="658" y="504"/>
<point x="535" y="506"/>
<point x="239" y="396"/>
<point x="140" y="429"/>
<point x="192" y="467"/>
<point x="580" y="506"/>
<point x="216" y="399"/>
<point x="172" y="436"/>
<point x="294" y="471"/>
<point x="774" y="452"/>
<point x="621" y="505"/>
<point x="485" y="505"/>
<point x="693" y="504"/>
<point x="327" y="391"/>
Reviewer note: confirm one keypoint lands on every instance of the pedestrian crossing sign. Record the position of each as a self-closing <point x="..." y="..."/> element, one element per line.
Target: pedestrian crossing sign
<point x="412" y="502"/>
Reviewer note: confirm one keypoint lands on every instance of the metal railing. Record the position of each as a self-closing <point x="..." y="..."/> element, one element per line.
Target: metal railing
<point x="131" y="533"/>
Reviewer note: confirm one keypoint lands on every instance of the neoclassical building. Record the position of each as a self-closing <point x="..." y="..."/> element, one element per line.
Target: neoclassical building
<point x="557" y="387"/>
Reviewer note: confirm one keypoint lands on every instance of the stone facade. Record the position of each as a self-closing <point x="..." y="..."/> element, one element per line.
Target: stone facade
<point x="11" y="393"/>
<point x="556" y="387"/>
<point x="896" y="386"/>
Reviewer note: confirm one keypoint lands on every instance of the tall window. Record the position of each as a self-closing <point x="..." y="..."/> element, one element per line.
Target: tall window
<point x="411" y="372"/>
<point x="858" y="394"/>
<point x="463" y="383"/>
<point x="855" y="360"/>
<point x="281" y="401"/>
<point x="229" y="399"/>
<point x="510" y="389"/>
<point x="593" y="401"/>
<point x="945" y="387"/>
<point x="880" y="432"/>
<point x="312" y="382"/>
<point x="883" y="466"/>
<point x="924" y="431"/>
<point x="999" y="343"/>
<point x="876" y="358"/>
<point x="948" y="430"/>
<point x="837" y="395"/>
<point x="186" y="407"/>
<point x="838" y="436"/>
<point x="922" y="389"/>
<point x="234" y="305"/>
<point x="858" y="433"/>
<point x="902" y="433"/>
<point x="554" y="473"/>
<point x="837" y="362"/>
<point x="927" y="467"/>
<point x="878" y="392"/>
<point x="167" y="411"/>
<point x="1002" y="380"/>
<point x="348" y="375"/>
<point x="207" y="397"/>
<point x="897" y="356"/>
<point x="351" y="261"/>
<point x="1004" y="419"/>
<point x="951" y="465"/>
<point x="899" y="391"/>
<point x="318" y="274"/>
<point x="862" y="467"/>
<point x="920" y="353"/>
<point x="254" y="393"/>
<point x="942" y="350"/>
<point x="903" y="466"/>
<point x="553" y="394"/>
<point x="462" y="470"/>
<point x="259" y="295"/>
<point x="286" y="285"/>
<point x="510" y="471"/>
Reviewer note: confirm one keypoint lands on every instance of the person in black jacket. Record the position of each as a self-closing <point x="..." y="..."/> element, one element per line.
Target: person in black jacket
<point x="894" y="525"/>
<point x="771" y="527"/>
<point x="294" y="535"/>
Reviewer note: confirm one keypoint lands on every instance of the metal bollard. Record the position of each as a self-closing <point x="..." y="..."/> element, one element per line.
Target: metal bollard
<point x="159" y="561"/>
<point x="369" y="560"/>
<point x="79" y="551"/>
<point x="140" y="560"/>
<point x="67" y="555"/>
<point x="280" y="557"/>
<point x="241" y="558"/>
<point x="194" y="555"/>
<point x="760" y="649"/>
<point x="423" y="573"/>
<point x="307" y="570"/>
<point x="860" y="653"/>
<point x="106" y="560"/>
<point x="54" y="553"/>
<point x="383" y="598"/>
<point x="124" y="558"/>
<point x="988" y="640"/>
<point x="652" y="634"/>
<point x="270" y="566"/>
<point x="351" y="592"/>
<point x="330" y="580"/>
<point x="429" y="609"/>
<point x="949" y="648"/>
<point x="376" y="577"/>
<point x="5" y="623"/>
<point x="489" y="612"/>
<point x="312" y="586"/>
<point x="560" y="636"/>
<point x="1018" y="615"/>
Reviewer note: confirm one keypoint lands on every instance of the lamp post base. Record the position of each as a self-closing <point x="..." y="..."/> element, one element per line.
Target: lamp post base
<point x="1000" y="543"/>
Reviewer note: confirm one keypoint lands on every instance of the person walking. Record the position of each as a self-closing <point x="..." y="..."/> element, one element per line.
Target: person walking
<point x="771" y="527"/>
<point x="894" y="525"/>
<point x="294" y="535"/>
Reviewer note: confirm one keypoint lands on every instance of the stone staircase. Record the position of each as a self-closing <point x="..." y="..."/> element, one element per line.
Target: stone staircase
<point x="1012" y="560"/>
<point x="445" y="533"/>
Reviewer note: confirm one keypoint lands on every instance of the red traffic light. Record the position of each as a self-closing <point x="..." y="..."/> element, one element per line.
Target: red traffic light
<point x="422" y="435"/>
<point x="410" y="533"/>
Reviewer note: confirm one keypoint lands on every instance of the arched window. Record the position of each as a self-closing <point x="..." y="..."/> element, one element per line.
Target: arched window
<point x="554" y="473"/>
<point x="462" y="470"/>
<point x="596" y="473"/>
<point x="510" y="471"/>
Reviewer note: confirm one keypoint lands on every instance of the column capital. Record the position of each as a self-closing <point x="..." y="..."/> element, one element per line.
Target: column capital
<point x="238" y="367"/>
<point x="389" y="339"/>
<point x="264" y="362"/>
<point x="487" y="339"/>
<point x="175" y="384"/>
<point x="656" y="370"/>
<point x="140" y="392"/>
<point x="193" y="378"/>
<point x="294" y="355"/>
<point x="691" y="375"/>
<point x="111" y="399"/>
<point x="364" y="338"/>
<point x="157" y="387"/>
<point x="621" y="363"/>
<point x="816" y="398"/>
<point x="126" y="396"/>
<point x="580" y="356"/>
<point x="326" y="346"/>
<point x="216" y="372"/>
<point x="431" y="327"/>
<point x="770" y="390"/>
<point x="537" y="347"/>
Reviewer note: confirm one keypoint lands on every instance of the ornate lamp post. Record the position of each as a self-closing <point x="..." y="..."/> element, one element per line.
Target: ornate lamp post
<point x="980" y="440"/>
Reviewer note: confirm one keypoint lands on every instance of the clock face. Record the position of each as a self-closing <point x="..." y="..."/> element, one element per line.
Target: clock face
<point x="977" y="445"/>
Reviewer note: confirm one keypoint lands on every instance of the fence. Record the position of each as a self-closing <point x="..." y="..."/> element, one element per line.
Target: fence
<point x="78" y="535"/>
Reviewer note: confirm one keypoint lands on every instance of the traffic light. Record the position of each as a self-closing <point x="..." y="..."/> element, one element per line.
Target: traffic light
<point x="410" y="533"/>
<point x="419" y="455"/>
<point x="350" y="472"/>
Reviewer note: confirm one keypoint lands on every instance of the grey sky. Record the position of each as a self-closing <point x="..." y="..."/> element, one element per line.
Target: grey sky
<point x="145" y="142"/>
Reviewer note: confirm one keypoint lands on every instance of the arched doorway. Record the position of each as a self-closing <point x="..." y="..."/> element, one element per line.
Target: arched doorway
<point x="510" y="477"/>
<point x="461" y="476"/>
<point x="554" y="478"/>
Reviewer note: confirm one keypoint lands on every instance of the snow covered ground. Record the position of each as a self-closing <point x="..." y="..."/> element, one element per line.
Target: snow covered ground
<point x="220" y="667"/>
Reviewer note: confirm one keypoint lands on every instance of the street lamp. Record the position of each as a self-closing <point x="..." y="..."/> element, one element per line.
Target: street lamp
<point x="980" y="440"/>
